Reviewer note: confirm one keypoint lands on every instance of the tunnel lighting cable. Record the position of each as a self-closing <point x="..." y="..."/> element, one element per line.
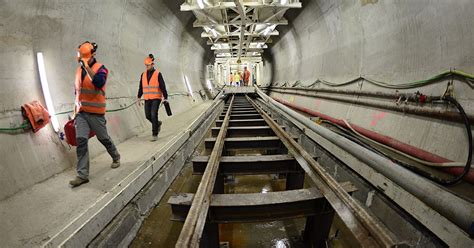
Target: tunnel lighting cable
<point x="463" y="75"/>
<point x="46" y="92"/>
<point x="467" y="168"/>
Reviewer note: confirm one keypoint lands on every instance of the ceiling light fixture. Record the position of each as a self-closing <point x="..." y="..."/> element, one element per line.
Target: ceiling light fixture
<point x="46" y="92"/>
<point x="214" y="32"/>
<point x="200" y="4"/>
<point x="188" y="86"/>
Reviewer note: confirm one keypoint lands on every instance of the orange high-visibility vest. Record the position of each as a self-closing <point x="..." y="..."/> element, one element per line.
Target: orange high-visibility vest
<point x="89" y="98"/>
<point x="151" y="90"/>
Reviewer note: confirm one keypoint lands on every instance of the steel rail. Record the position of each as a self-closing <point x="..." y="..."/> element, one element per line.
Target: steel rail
<point x="191" y="233"/>
<point x="368" y="231"/>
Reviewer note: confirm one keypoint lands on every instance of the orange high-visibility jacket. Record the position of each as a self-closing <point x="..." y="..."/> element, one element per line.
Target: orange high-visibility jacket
<point x="89" y="98"/>
<point x="151" y="90"/>
<point x="36" y="114"/>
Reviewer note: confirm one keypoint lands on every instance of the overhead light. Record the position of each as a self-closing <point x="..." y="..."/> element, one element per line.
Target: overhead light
<point x="283" y="2"/>
<point x="214" y="32"/>
<point x="200" y="4"/>
<point x="209" y="85"/>
<point x="267" y="30"/>
<point x="188" y="86"/>
<point x="46" y="92"/>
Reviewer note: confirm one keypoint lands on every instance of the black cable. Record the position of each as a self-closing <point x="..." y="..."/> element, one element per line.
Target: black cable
<point x="467" y="167"/>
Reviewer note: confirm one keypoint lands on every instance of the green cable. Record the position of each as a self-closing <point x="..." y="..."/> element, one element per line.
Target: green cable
<point x="111" y="110"/>
<point x="23" y="126"/>
<point x="415" y="84"/>
<point x="120" y="109"/>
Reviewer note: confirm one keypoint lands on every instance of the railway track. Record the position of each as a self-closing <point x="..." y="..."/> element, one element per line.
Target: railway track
<point x="248" y="141"/>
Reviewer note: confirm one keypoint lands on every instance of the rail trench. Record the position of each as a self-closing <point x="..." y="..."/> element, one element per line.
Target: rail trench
<point x="248" y="141"/>
<point x="314" y="199"/>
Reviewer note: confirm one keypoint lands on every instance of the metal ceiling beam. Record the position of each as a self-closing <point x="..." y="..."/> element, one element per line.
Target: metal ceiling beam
<point x="234" y="60"/>
<point x="228" y="5"/>
<point x="217" y="48"/>
<point x="254" y="34"/>
<point x="248" y="50"/>
<point x="200" y="24"/>
<point x="276" y="14"/>
<point x="231" y="42"/>
<point x="243" y="27"/>
<point x="243" y="18"/>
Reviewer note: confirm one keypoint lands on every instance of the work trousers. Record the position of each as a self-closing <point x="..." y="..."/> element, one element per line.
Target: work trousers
<point x="151" y="113"/>
<point x="97" y="123"/>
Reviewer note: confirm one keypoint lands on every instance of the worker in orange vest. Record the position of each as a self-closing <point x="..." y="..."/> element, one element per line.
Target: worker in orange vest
<point x="231" y="78"/>
<point x="246" y="76"/>
<point x="153" y="89"/>
<point x="89" y="110"/>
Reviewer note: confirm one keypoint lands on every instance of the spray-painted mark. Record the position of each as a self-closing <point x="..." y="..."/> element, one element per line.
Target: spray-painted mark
<point x="376" y="117"/>
<point x="114" y="123"/>
<point x="317" y="103"/>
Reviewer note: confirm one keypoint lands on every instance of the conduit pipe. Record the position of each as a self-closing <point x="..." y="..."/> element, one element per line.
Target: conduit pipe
<point x="454" y="208"/>
<point x="433" y="113"/>
<point x="389" y="141"/>
<point x="377" y="94"/>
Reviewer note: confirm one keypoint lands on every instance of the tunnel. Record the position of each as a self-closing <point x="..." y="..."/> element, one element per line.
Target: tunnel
<point x="236" y="123"/>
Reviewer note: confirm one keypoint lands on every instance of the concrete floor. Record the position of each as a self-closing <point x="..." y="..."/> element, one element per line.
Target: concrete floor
<point x="35" y="215"/>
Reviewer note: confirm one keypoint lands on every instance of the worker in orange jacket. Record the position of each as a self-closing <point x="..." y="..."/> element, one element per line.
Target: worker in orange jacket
<point x="153" y="89"/>
<point x="246" y="76"/>
<point x="89" y="109"/>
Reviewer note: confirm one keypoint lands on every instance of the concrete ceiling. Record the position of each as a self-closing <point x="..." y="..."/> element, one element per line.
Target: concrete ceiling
<point x="239" y="30"/>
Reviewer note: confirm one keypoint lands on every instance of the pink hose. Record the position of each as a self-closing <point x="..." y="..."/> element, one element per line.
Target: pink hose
<point x="386" y="140"/>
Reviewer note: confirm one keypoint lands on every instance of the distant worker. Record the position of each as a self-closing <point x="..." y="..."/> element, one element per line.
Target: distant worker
<point x="237" y="79"/>
<point x="246" y="76"/>
<point x="89" y="110"/>
<point x="153" y="89"/>
<point x="231" y="78"/>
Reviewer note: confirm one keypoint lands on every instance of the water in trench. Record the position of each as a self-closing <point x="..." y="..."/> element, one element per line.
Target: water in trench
<point x="159" y="231"/>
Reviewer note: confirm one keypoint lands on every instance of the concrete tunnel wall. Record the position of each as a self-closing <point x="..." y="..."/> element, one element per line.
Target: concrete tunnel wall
<point x="125" y="31"/>
<point x="389" y="41"/>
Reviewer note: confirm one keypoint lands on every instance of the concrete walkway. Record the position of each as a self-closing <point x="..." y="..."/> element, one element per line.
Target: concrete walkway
<point x="34" y="216"/>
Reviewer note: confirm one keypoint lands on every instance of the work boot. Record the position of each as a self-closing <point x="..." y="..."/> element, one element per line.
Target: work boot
<point x="115" y="164"/>
<point x="78" y="181"/>
<point x="154" y="138"/>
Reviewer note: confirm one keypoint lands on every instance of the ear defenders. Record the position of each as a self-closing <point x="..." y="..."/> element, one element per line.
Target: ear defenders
<point x="86" y="50"/>
<point x="149" y="60"/>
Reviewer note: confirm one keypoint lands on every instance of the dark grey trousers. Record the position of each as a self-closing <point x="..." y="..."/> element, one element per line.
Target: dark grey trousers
<point x="97" y="123"/>
<point x="151" y="114"/>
